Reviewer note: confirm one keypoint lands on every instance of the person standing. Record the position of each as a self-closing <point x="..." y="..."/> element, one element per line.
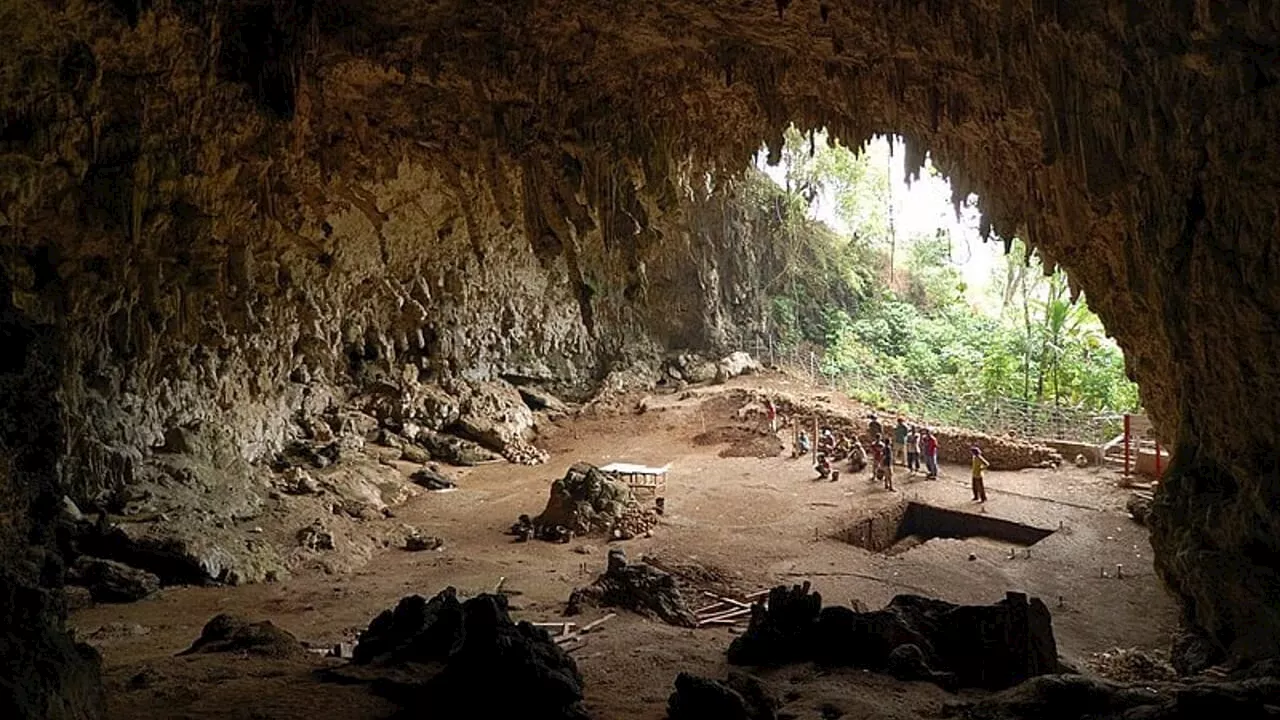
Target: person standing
<point x="929" y="448"/>
<point x="913" y="450"/>
<point x="979" y="464"/>
<point x="900" y="432"/>
<point x="772" y="411"/>
<point x="888" y="465"/>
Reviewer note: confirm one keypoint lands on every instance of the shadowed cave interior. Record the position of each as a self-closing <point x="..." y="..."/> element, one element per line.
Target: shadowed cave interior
<point x="219" y="218"/>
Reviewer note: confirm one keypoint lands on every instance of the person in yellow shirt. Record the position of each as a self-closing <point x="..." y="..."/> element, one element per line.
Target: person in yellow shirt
<point x="979" y="464"/>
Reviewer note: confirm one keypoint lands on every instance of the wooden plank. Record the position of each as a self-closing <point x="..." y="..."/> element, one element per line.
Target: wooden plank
<point x="723" y="621"/>
<point x="596" y="623"/>
<point x="736" y="612"/>
<point x="758" y="594"/>
<point x="727" y="601"/>
<point x="709" y="609"/>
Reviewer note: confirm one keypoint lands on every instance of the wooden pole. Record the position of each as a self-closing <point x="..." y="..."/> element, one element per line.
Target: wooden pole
<point x="1126" y="444"/>
<point x="814" y="445"/>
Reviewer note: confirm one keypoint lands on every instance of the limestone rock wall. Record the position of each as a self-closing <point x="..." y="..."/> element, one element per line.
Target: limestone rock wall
<point x="226" y="212"/>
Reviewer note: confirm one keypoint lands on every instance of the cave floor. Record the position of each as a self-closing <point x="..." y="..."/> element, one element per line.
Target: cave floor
<point x="733" y="524"/>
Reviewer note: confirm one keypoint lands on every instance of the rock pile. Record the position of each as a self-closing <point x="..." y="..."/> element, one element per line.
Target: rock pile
<point x="916" y="638"/>
<point x="1002" y="451"/>
<point x="1132" y="665"/>
<point x="520" y="452"/>
<point x="468" y="659"/>
<point x="741" y="697"/>
<point x="228" y="633"/>
<point x="634" y="522"/>
<point x="586" y="501"/>
<point x="637" y="587"/>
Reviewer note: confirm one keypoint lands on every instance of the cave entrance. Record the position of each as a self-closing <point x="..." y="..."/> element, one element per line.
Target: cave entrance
<point x="907" y="525"/>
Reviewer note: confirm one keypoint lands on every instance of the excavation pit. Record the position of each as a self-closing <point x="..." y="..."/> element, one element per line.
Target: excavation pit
<point x="906" y="525"/>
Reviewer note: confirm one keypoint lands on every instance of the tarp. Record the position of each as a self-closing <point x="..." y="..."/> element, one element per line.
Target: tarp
<point x="619" y="468"/>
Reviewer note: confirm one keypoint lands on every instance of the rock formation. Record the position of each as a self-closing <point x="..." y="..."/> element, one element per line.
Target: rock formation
<point x="912" y="638"/>
<point x="227" y="219"/>
<point x="741" y="697"/>
<point x="229" y="634"/>
<point x="638" y="587"/>
<point x="588" y="502"/>
<point x="459" y="654"/>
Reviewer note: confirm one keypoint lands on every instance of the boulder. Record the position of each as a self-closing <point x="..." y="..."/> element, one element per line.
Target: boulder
<point x="735" y="364"/>
<point x="109" y="581"/>
<point x="539" y="399"/>
<point x="453" y="450"/>
<point x="637" y="587"/>
<point x="414" y="453"/>
<point x="987" y="646"/>
<point x="432" y="479"/>
<point x="417" y="542"/>
<point x="742" y="697"/>
<point x="316" y="537"/>
<point x="474" y="648"/>
<point x="494" y="414"/>
<point x="230" y="634"/>
<point x="297" y="481"/>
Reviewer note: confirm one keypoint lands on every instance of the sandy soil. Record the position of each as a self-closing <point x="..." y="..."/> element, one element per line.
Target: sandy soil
<point x="742" y="522"/>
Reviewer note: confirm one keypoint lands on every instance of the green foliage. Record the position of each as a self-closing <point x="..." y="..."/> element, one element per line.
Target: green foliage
<point x="919" y="341"/>
<point x="819" y="269"/>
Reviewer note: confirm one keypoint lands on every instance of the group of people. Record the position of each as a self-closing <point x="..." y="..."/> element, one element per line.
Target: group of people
<point x="904" y="444"/>
<point x="907" y="445"/>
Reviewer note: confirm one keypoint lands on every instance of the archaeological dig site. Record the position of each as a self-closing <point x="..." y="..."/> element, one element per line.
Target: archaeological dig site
<point x="639" y="360"/>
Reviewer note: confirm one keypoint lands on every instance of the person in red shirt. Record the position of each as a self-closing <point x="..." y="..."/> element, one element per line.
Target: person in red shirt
<point x="772" y="411"/>
<point x="929" y="449"/>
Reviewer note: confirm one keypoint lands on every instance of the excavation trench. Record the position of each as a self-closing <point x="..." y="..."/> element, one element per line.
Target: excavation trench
<point x="901" y="527"/>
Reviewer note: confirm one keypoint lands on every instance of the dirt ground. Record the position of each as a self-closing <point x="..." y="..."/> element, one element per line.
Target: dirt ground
<point x="742" y="522"/>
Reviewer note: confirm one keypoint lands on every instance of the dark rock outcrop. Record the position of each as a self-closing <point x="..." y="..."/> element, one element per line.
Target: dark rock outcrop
<point x="987" y="646"/>
<point x="637" y="587"/>
<point x="44" y="673"/>
<point x="109" y="581"/>
<point x="230" y="634"/>
<point x="741" y="697"/>
<point x="468" y="659"/>
<point x="1070" y="697"/>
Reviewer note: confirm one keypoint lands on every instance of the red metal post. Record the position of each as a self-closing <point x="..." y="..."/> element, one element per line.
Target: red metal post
<point x="1158" y="473"/>
<point x="1126" y="445"/>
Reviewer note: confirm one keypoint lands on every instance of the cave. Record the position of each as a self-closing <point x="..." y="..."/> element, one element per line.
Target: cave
<point x="907" y="525"/>
<point x="221" y="221"/>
